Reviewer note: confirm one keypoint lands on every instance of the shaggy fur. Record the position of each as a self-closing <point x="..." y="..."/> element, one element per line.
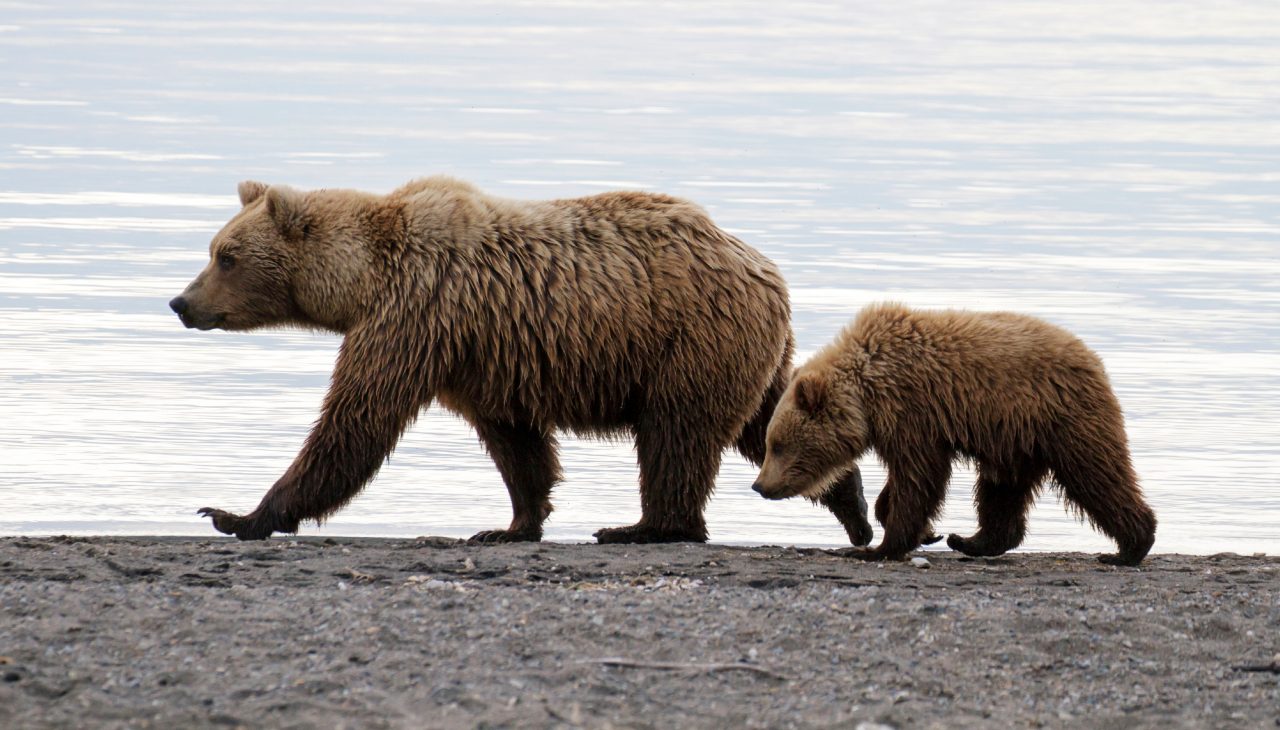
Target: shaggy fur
<point x="618" y="313"/>
<point x="1019" y="396"/>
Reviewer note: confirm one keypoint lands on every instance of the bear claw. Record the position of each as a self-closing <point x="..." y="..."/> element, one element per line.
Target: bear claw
<point x="860" y="535"/>
<point x="233" y="524"/>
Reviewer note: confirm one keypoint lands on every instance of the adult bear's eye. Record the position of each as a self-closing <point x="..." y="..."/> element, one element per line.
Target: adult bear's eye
<point x="226" y="261"/>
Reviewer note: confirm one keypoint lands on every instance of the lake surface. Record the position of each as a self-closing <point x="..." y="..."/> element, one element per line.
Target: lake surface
<point x="1112" y="167"/>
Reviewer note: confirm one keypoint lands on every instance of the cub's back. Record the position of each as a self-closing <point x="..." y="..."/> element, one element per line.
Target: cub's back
<point x="972" y="377"/>
<point x="989" y="344"/>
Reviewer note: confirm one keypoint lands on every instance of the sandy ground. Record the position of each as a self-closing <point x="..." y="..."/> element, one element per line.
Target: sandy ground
<point x="183" y="632"/>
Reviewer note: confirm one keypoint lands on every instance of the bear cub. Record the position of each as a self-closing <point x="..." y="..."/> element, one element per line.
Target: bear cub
<point x="1020" y="397"/>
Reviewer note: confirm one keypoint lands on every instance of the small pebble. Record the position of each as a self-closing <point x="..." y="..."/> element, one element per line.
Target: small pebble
<point x="920" y="562"/>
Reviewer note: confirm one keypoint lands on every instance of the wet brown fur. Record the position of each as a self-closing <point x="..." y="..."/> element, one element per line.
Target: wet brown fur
<point x="622" y="313"/>
<point x="1022" y="398"/>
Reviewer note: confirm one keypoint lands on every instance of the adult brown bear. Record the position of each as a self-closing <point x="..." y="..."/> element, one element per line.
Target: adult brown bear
<point x="1020" y="397"/>
<point x="617" y="313"/>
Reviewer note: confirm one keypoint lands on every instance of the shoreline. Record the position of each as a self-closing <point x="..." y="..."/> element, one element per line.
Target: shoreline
<point x="386" y="632"/>
<point x="204" y="532"/>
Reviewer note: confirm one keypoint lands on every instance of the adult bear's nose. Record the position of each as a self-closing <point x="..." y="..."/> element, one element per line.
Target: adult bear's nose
<point x="758" y="489"/>
<point x="178" y="305"/>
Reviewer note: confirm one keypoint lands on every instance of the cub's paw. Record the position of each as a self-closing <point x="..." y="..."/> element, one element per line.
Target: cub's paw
<point x="233" y="524"/>
<point x="930" y="539"/>
<point x="645" y="534"/>
<point x="496" y="536"/>
<point x="871" y="555"/>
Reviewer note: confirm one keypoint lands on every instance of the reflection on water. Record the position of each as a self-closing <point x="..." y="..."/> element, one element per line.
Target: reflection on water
<point x="991" y="155"/>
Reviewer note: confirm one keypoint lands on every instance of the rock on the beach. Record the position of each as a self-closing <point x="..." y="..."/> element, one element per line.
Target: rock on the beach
<point x="920" y="562"/>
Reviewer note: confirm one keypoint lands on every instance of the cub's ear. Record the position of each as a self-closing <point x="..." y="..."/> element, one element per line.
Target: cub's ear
<point x="811" y="394"/>
<point x="287" y="207"/>
<point x="250" y="190"/>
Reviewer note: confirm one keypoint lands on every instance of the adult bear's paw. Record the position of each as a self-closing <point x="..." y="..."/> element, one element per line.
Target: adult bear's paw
<point x="489" y="537"/>
<point x="860" y="532"/>
<point x="641" y="533"/>
<point x="1121" y="559"/>
<point x="976" y="546"/>
<point x="238" y="525"/>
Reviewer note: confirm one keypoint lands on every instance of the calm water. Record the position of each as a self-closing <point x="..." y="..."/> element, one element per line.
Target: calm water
<point x="1113" y="167"/>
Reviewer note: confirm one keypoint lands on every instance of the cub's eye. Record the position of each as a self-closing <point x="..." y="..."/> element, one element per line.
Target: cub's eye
<point x="226" y="261"/>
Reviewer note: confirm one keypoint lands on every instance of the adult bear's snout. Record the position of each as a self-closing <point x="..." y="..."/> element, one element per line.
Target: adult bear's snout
<point x="178" y="305"/>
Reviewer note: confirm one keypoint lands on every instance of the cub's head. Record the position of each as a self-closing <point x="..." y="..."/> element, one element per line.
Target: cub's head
<point x="253" y="261"/>
<point x="818" y="430"/>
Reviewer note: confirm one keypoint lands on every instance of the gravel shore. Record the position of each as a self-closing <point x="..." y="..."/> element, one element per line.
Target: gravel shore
<point x="185" y="632"/>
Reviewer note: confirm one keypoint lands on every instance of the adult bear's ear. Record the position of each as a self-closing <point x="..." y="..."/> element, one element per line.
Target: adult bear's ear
<point x="250" y="190"/>
<point x="811" y="394"/>
<point x="287" y="207"/>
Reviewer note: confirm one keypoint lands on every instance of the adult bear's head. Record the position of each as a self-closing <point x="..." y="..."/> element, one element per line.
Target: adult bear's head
<point x="287" y="258"/>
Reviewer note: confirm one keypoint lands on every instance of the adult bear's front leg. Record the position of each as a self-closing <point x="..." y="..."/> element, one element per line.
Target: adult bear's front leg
<point x="372" y="398"/>
<point x="678" y="466"/>
<point x="527" y="459"/>
<point x="246" y="527"/>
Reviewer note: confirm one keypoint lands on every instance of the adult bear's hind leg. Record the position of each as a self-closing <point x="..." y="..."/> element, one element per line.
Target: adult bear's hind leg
<point x="845" y="500"/>
<point x="530" y="467"/>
